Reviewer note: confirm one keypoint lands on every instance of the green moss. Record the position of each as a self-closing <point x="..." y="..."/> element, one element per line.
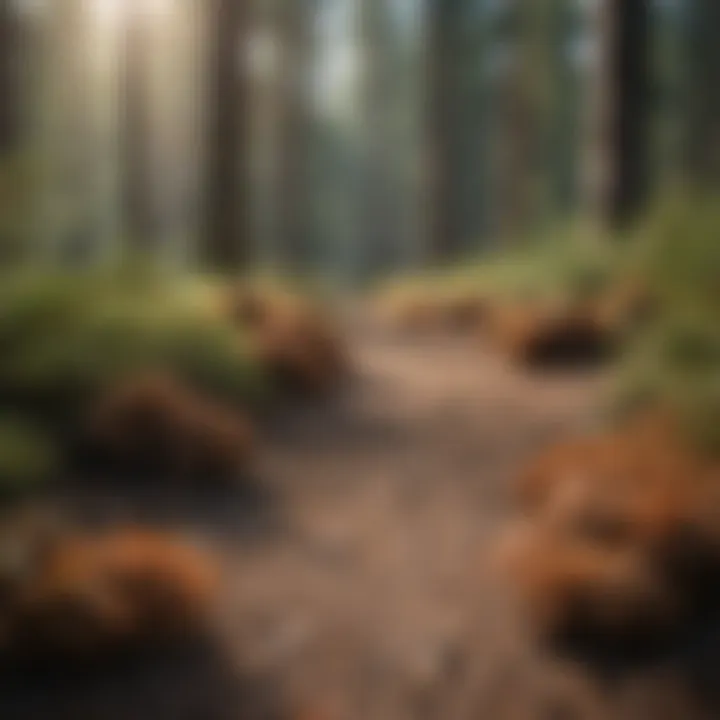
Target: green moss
<point x="675" y="361"/>
<point x="678" y="250"/>
<point x="567" y="263"/>
<point x="64" y="337"/>
<point x="28" y="459"/>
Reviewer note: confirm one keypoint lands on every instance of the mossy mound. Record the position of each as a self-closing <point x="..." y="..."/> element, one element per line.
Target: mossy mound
<point x="66" y="339"/>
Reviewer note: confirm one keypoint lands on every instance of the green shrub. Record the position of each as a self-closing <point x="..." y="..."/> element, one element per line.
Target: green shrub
<point x="27" y="458"/>
<point x="678" y="251"/>
<point x="18" y="205"/>
<point x="65" y="337"/>
<point x="568" y="263"/>
<point x="675" y="362"/>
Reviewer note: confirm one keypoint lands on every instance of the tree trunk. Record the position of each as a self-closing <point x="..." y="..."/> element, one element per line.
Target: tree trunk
<point x="226" y="245"/>
<point x="378" y="204"/>
<point x="515" y="131"/>
<point x="68" y="154"/>
<point x="703" y="100"/>
<point x="442" y="109"/>
<point x="293" y="198"/>
<point x="617" y="168"/>
<point x="632" y="72"/>
<point x="140" y="217"/>
<point x="11" y="110"/>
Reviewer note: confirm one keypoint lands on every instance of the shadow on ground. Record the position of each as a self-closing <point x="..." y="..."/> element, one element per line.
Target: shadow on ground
<point x="191" y="683"/>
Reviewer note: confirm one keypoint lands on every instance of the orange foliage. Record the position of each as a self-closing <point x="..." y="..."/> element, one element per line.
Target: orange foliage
<point x="292" y="340"/>
<point x="618" y="522"/>
<point x="154" y="423"/>
<point x="575" y="589"/>
<point x="91" y="594"/>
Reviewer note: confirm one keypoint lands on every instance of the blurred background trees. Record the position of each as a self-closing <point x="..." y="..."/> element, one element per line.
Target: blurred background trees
<point x="10" y="77"/>
<point x="227" y="232"/>
<point x="349" y="137"/>
<point x="701" y="95"/>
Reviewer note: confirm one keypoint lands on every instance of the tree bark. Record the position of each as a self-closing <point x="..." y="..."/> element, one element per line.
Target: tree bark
<point x="702" y="110"/>
<point x="226" y="244"/>
<point x="441" y="115"/>
<point x="378" y="203"/>
<point x="617" y="181"/>
<point x="293" y="198"/>
<point x="11" y="110"/>
<point x="515" y="132"/>
<point x="139" y="208"/>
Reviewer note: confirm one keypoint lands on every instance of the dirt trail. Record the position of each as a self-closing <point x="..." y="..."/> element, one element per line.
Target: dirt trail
<point x="379" y="599"/>
<point x="367" y="592"/>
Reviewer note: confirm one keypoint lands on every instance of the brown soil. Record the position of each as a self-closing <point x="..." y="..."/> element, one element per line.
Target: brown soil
<point x="365" y="588"/>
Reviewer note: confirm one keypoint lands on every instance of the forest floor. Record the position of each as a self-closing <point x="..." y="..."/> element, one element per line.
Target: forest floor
<point x="365" y="589"/>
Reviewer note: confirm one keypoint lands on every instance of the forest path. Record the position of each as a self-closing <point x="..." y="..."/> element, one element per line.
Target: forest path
<point x="365" y="588"/>
<point x="378" y="600"/>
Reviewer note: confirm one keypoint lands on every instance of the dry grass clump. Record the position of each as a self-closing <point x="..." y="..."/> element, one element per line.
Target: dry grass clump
<point x="433" y="309"/>
<point x="84" y="595"/>
<point x="291" y="339"/>
<point x="558" y="465"/>
<point x="152" y="424"/>
<point x="466" y="311"/>
<point x="627" y="307"/>
<point x="412" y="312"/>
<point x="619" y="535"/>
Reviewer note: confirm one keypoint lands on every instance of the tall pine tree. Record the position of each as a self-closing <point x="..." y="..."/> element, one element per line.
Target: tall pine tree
<point x="226" y="242"/>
